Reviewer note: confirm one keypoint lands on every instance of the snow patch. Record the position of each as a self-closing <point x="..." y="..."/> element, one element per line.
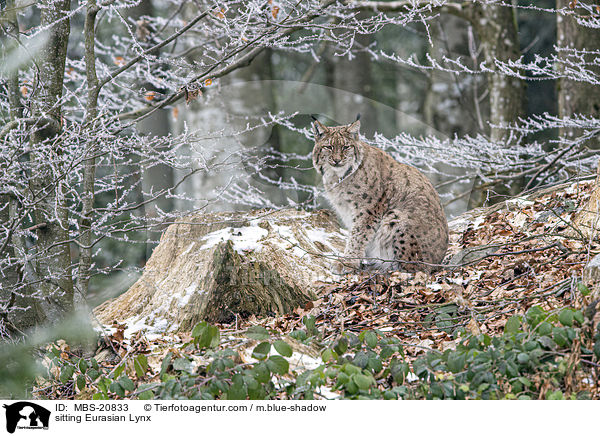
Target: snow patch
<point x="188" y="292"/>
<point x="519" y="220"/>
<point x="319" y="235"/>
<point x="434" y="286"/>
<point x="243" y="238"/>
<point x="478" y="222"/>
<point x="188" y="249"/>
<point x="411" y="377"/>
<point x="519" y="202"/>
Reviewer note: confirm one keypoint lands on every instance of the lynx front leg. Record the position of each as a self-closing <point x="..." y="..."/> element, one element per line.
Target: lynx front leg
<point x="361" y="234"/>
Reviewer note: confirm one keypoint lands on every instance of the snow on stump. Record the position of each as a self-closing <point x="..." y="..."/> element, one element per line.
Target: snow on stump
<point x="213" y="267"/>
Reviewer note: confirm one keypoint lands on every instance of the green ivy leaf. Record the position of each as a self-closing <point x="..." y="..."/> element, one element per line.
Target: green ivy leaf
<point x="361" y="359"/>
<point x="261" y="373"/>
<point x="261" y="351"/>
<point x="117" y="389"/>
<point x="278" y="365"/>
<point x="342" y="379"/>
<point x="309" y="322"/>
<point x="341" y="346"/>
<point x="387" y="351"/>
<point x="456" y="361"/>
<point x="399" y="371"/>
<point x="164" y="366"/>
<point x="513" y="325"/>
<point x="258" y="333"/>
<point x="351" y="387"/>
<point x="531" y="345"/>
<point x="126" y="383"/>
<point x="523" y="358"/>
<point x="556" y="395"/>
<point x="535" y="315"/>
<point x="327" y="355"/>
<point x="140" y="364"/>
<point x="119" y="370"/>
<point x="237" y="391"/>
<point x="66" y="373"/>
<point x="299" y="335"/>
<point x="283" y="348"/>
<point x="375" y="364"/>
<point x="350" y="369"/>
<point x="560" y="336"/>
<point x="146" y="395"/>
<point x="525" y="381"/>
<point x="103" y="384"/>
<point x="565" y="317"/>
<point x="80" y="382"/>
<point x="183" y="364"/>
<point x="206" y="335"/>
<point x="545" y="328"/>
<point x="83" y="366"/>
<point x="585" y="291"/>
<point x="198" y="329"/>
<point x="370" y="337"/>
<point x="362" y="381"/>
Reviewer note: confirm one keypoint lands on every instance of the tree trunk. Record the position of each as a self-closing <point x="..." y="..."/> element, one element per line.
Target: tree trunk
<point x="451" y="103"/>
<point x="245" y="95"/>
<point x="53" y="258"/>
<point x="496" y="28"/>
<point x="18" y="311"/>
<point x="159" y="177"/>
<point x="576" y="97"/>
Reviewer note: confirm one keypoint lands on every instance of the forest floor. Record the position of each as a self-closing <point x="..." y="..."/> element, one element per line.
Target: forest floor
<point x="519" y="255"/>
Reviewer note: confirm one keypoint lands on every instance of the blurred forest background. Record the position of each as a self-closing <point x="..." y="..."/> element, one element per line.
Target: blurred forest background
<point x="119" y="116"/>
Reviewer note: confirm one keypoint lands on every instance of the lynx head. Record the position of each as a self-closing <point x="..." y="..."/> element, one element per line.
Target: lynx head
<point x="338" y="148"/>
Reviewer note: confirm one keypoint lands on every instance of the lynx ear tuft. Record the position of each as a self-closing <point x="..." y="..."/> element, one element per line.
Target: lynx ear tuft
<point x="358" y="116"/>
<point x="354" y="128"/>
<point x="318" y="128"/>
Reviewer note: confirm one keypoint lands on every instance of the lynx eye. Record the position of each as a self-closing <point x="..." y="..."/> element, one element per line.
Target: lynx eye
<point x="328" y="147"/>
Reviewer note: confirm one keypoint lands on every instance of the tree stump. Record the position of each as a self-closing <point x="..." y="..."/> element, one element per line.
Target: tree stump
<point x="213" y="267"/>
<point x="587" y="220"/>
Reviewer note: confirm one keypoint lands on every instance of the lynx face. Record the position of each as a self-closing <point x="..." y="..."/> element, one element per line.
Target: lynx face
<point x="336" y="148"/>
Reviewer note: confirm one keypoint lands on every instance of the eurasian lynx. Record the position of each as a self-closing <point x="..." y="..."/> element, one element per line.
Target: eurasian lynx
<point x="392" y="210"/>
